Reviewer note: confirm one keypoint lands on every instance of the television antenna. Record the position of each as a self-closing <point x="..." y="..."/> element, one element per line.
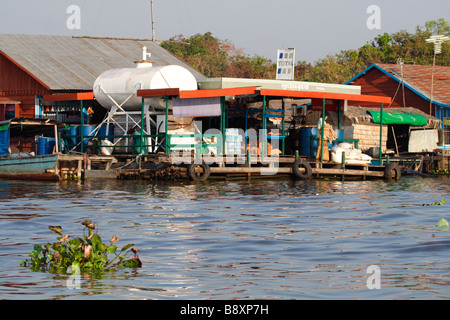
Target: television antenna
<point x="438" y="41"/>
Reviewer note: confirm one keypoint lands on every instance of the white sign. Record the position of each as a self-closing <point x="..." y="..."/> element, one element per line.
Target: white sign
<point x="285" y="64"/>
<point x="196" y="107"/>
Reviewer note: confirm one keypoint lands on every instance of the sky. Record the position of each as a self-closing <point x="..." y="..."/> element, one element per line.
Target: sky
<point x="315" y="28"/>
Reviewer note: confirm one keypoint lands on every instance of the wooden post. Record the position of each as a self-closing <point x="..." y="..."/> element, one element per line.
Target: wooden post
<point x="56" y="139"/>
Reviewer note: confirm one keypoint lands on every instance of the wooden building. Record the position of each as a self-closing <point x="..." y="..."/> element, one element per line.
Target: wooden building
<point x="35" y="65"/>
<point x="410" y="86"/>
<point x="32" y="66"/>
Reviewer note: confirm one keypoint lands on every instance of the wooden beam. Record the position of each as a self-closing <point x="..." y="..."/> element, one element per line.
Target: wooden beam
<point x="77" y="96"/>
<point x="146" y="93"/>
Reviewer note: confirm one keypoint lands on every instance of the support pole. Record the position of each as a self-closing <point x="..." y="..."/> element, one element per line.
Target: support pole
<point x="81" y="125"/>
<point x="142" y="127"/>
<point x="381" y="134"/>
<point x="264" y="138"/>
<point x="339" y="115"/>
<point x="222" y="121"/>
<point x="323" y="130"/>
<point x="166" y="127"/>
<point x="282" y="129"/>
<point x="56" y="139"/>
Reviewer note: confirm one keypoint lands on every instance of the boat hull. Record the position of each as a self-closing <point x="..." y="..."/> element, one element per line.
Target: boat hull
<point x="30" y="168"/>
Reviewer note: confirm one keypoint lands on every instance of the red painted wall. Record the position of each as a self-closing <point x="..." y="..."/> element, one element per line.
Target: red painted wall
<point x="17" y="84"/>
<point x="376" y="82"/>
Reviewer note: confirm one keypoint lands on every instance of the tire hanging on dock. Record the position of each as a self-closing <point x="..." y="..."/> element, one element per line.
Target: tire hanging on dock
<point x="297" y="167"/>
<point x="199" y="176"/>
<point x="392" y="171"/>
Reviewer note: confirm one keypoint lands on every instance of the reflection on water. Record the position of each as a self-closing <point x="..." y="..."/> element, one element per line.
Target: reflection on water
<point x="237" y="240"/>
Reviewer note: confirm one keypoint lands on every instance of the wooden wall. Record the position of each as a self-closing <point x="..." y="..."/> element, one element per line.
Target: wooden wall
<point x="375" y="82"/>
<point x="17" y="84"/>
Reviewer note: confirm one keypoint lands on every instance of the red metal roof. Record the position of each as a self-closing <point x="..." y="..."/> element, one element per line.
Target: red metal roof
<point x="418" y="78"/>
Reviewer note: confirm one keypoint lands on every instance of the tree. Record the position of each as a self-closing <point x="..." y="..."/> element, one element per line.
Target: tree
<point x="218" y="58"/>
<point x="385" y="48"/>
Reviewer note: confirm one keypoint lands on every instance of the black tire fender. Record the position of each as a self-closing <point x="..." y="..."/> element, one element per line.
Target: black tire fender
<point x="197" y="175"/>
<point x="392" y="171"/>
<point x="296" y="169"/>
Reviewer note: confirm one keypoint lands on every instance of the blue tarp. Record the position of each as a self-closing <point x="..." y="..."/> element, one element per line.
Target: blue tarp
<point x="4" y="139"/>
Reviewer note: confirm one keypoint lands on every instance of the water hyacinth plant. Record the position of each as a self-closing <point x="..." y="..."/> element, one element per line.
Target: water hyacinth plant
<point x="88" y="253"/>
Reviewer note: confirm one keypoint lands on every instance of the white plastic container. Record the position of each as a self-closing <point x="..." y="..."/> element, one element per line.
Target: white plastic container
<point x="119" y="84"/>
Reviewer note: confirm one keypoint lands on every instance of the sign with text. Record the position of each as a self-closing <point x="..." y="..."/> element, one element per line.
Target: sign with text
<point x="285" y="64"/>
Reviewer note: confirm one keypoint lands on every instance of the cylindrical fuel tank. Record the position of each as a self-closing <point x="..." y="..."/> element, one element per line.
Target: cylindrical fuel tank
<point x="120" y="83"/>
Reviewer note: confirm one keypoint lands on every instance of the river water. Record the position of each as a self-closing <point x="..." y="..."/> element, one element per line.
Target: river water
<point x="257" y="239"/>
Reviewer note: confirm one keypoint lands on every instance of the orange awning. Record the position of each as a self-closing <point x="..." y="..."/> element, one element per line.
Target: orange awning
<point x="190" y="94"/>
<point x="323" y="95"/>
<point x="77" y="96"/>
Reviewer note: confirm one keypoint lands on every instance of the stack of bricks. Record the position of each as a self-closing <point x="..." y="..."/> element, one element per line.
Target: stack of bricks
<point x="368" y="135"/>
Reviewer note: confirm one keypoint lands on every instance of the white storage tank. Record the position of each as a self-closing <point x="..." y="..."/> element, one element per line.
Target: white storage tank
<point x="122" y="82"/>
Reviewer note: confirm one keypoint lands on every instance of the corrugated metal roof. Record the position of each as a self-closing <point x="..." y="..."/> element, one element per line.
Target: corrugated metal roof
<point x="73" y="63"/>
<point x="418" y="78"/>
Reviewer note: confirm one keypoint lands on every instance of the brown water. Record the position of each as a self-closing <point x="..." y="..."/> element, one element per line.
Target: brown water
<point x="237" y="240"/>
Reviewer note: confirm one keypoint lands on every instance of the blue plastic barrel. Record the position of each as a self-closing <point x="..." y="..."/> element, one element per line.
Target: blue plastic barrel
<point x="307" y="145"/>
<point x="103" y="132"/>
<point x="87" y="130"/>
<point x="73" y="141"/>
<point x="45" y="146"/>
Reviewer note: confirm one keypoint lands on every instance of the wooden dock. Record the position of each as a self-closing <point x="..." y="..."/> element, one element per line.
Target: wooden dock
<point x="258" y="167"/>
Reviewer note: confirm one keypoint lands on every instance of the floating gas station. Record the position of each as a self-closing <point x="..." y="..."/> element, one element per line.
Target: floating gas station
<point x="221" y="127"/>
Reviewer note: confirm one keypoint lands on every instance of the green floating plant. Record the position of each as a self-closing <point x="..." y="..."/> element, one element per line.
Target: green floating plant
<point x="88" y="253"/>
<point x="442" y="223"/>
<point x="442" y="202"/>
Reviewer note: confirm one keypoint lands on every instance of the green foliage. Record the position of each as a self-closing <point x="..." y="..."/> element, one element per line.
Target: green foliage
<point x="437" y="171"/>
<point x="442" y="223"/>
<point x="385" y="48"/>
<point x="442" y="202"/>
<point x="213" y="57"/>
<point x="217" y="58"/>
<point x="88" y="253"/>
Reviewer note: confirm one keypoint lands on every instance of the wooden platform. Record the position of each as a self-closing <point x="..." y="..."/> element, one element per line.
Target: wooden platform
<point x="261" y="167"/>
<point x="68" y="165"/>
